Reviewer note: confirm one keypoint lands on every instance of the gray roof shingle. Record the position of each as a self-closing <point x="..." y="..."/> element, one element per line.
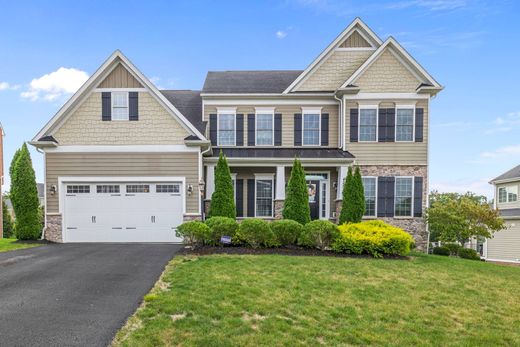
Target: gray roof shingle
<point x="189" y="103"/>
<point x="513" y="173"/>
<point x="249" y="81"/>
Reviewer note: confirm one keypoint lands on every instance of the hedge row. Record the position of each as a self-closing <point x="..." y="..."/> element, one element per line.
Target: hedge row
<point x="456" y="250"/>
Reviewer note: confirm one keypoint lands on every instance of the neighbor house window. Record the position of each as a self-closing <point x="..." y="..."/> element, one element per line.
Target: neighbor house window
<point x="311" y="127"/>
<point x="226" y="129"/>
<point x="507" y="194"/>
<point x="119" y="105"/>
<point x="403" y="196"/>
<point x="368" y="124"/>
<point x="404" y="124"/>
<point x="369" y="184"/>
<point x="264" y="128"/>
<point x="264" y="197"/>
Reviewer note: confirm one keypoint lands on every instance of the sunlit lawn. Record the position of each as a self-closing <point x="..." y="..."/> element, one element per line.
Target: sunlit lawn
<point x="12" y="244"/>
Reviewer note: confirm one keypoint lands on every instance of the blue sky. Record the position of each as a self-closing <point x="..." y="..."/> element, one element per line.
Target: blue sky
<point x="469" y="46"/>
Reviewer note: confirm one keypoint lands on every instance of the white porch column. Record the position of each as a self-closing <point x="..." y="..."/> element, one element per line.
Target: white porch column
<point x="280" y="183"/>
<point x="342" y="174"/>
<point x="210" y="181"/>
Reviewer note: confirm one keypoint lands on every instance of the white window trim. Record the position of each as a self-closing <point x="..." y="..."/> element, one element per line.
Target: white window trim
<point x="507" y="195"/>
<point x="229" y="110"/>
<point x="375" y="211"/>
<point x="112" y="106"/>
<point x="311" y="111"/>
<point x="265" y="177"/>
<point x="413" y="197"/>
<point x="368" y="107"/>
<point x="264" y="111"/>
<point x="234" y="183"/>
<point x="405" y="107"/>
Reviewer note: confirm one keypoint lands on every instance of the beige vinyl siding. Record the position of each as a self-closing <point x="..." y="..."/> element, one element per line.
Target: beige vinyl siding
<point x="505" y="244"/>
<point x="155" y="126"/>
<point x="355" y="40"/>
<point x="120" y="78"/>
<point x="334" y="71"/>
<point x="387" y="74"/>
<point x="287" y="112"/>
<point x="389" y="153"/>
<point x="122" y="165"/>
<point x="507" y="205"/>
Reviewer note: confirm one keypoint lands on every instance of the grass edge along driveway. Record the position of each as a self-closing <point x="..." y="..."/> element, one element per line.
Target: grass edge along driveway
<point x="274" y="300"/>
<point x="14" y="244"/>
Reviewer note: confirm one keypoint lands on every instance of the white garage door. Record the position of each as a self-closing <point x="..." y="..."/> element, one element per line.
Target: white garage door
<point x="122" y="212"/>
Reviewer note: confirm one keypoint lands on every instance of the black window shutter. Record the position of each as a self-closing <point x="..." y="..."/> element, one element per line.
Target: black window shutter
<point x="278" y="129"/>
<point x="382" y="136"/>
<point x="240" y="130"/>
<point x="353" y="125"/>
<point x="213" y="129"/>
<point x="390" y="125"/>
<point x="419" y="124"/>
<point x="417" y="196"/>
<point x="324" y="129"/>
<point x="106" y="106"/>
<point x="133" y="108"/>
<point x="251" y="129"/>
<point x="251" y="198"/>
<point x="239" y="197"/>
<point x="381" y="196"/>
<point x="390" y="194"/>
<point x="297" y="129"/>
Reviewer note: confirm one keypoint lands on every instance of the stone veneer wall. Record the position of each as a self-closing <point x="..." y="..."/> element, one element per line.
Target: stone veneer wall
<point x="53" y="230"/>
<point x="191" y="217"/>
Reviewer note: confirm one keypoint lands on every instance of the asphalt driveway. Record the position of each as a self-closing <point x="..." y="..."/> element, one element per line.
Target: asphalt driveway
<point x="74" y="294"/>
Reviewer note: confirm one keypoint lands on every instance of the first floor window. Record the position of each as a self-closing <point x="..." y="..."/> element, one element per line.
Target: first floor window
<point x="311" y="129"/>
<point x="369" y="184"/>
<point x="264" y="129"/>
<point x="119" y="105"/>
<point x="403" y="196"/>
<point x="404" y="124"/>
<point x="507" y="194"/>
<point x="264" y="197"/>
<point x="368" y="124"/>
<point x="226" y="129"/>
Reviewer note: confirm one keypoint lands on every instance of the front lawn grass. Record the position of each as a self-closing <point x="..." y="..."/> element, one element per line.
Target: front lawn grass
<point x="12" y="244"/>
<point x="273" y="300"/>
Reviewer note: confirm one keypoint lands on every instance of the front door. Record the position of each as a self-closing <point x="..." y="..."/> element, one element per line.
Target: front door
<point x="313" y="189"/>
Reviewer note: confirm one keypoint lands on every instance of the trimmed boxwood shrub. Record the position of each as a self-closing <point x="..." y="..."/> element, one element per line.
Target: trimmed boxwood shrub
<point x="194" y="233"/>
<point x="256" y="233"/>
<point x="454" y="248"/>
<point x="468" y="253"/>
<point x="441" y="251"/>
<point x="376" y="238"/>
<point x="287" y="231"/>
<point x="319" y="234"/>
<point x="221" y="226"/>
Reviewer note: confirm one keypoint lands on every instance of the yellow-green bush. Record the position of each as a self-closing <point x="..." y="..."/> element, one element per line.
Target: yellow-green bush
<point x="372" y="237"/>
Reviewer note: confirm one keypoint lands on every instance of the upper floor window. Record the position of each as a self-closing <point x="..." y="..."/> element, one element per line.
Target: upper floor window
<point x="311" y="127"/>
<point x="508" y="194"/>
<point x="403" y="196"/>
<point x="369" y="184"/>
<point x="368" y="124"/>
<point x="264" y="127"/>
<point x="226" y="128"/>
<point x="404" y="122"/>
<point x="120" y="106"/>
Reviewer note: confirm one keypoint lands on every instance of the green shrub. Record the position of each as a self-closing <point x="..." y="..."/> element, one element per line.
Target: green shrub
<point x="296" y="204"/>
<point x="223" y="198"/>
<point x="194" y="233"/>
<point x="454" y="248"/>
<point x="256" y="233"/>
<point x="468" y="253"/>
<point x="319" y="234"/>
<point x="376" y="238"/>
<point x="286" y="231"/>
<point x="441" y="251"/>
<point x="353" y="205"/>
<point x="221" y="226"/>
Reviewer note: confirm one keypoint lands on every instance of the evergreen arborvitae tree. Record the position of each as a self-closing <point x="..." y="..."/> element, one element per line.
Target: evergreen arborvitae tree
<point x="296" y="205"/>
<point x="25" y="200"/>
<point x="353" y="206"/>
<point x="222" y="199"/>
<point x="12" y="191"/>
<point x="7" y="221"/>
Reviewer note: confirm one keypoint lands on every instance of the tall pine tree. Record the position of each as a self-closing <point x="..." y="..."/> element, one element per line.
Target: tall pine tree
<point x="296" y="205"/>
<point x="353" y="206"/>
<point x="223" y="198"/>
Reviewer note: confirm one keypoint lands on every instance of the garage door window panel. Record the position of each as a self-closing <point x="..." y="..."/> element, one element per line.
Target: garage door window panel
<point x="107" y="189"/>
<point x="138" y="188"/>
<point x="168" y="188"/>
<point x="78" y="189"/>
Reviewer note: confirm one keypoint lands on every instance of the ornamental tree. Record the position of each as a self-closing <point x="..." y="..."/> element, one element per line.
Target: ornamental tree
<point x="296" y="204"/>
<point x="353" y="206"/>
<point x="222" y="199"/>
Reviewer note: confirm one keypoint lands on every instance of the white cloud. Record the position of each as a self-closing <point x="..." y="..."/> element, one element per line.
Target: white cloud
<point x="480" y="186"/>
<point x="508" y="152"/>
<point x="280" y="34"/>
<point x="8" y="86"/>
<point x="56" y="84"/>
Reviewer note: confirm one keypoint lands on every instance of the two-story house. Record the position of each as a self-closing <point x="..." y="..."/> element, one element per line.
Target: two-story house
<point x="125" y="161"/>
<point x="505" y="245"/>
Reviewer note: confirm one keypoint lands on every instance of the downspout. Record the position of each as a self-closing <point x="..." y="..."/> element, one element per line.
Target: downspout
<point x="341" y="126"/>
<point x="203" y="178"/>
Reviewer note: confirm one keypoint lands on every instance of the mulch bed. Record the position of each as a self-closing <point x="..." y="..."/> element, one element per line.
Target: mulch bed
<point x="291" y="251"/>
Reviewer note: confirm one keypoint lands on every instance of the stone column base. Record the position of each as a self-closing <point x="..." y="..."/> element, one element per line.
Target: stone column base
<point x="53" y="231"/>
<point x="278" y="209"/>
<point x="339" y="203"/>
<point x="207" y="203"/>
<point x="190" y="217"/>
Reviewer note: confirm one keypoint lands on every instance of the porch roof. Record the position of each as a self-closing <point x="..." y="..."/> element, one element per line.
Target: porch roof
<point x="283" y="153"/>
